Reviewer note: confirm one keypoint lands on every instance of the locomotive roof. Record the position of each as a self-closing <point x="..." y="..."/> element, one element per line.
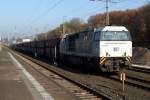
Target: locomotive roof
<point x="112" y="28"/>
<point x="115" y="28"/>
<point x="86" y="30"/>
<point x="105" y="28"/>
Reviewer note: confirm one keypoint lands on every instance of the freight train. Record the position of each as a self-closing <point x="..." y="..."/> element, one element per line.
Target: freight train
<point x="107" y="48"/>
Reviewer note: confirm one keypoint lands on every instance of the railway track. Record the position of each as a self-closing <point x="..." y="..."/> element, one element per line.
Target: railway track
<point x="133" y="81"/>
<point x="94" y="91"/>
<point x="139" y="83"/>
<point x="137" y="69"/>
<point x="80" y="90"/>
<point x="83" y="91"/>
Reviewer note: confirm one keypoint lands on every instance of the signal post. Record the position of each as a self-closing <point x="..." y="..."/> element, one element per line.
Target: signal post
<point x="123" y="78"/>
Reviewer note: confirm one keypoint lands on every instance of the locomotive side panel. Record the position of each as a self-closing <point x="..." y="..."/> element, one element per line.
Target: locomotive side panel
<point x="79" y="44"/>
<point x="111" y="54"/>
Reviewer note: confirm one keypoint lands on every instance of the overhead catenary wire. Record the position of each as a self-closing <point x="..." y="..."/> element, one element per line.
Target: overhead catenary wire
<point x="107" y="15"/>
<point x="126" y="5"/>
<point x="47" y="11"/>
<point x="107" y="8"/>
<point x="51" y="8"/>
<point x="36" y="9"/>
<point x="80" y="7"/>
<point x="101" y="9"/>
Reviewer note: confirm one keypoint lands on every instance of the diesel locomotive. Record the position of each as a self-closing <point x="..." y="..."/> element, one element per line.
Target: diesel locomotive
<point x="107" y="48"/>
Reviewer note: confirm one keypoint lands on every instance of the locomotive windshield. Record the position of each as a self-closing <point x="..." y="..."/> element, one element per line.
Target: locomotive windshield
<point x="112" y="36"/>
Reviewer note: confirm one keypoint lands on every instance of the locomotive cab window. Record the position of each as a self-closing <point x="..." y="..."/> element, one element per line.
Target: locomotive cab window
<point x="115" y="36"/>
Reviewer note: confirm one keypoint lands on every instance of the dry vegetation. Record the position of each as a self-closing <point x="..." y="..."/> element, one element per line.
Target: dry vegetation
<point x="141" y="56"/>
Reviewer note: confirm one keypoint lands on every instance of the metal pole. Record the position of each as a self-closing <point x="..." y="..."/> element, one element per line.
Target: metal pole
<point x="123" y="82"/>
<point x="55" y="52"/>
<point x="107" y="12"/>
<point x="0" y="47"/>
<point x="63" y="26"/>
<point x="55" y="56"/>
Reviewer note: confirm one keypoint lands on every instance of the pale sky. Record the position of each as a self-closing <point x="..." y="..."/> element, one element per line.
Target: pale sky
<point x="28" y="17"/>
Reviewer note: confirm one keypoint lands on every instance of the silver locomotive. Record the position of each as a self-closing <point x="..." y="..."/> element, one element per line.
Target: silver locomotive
<point x="108" y="48"/>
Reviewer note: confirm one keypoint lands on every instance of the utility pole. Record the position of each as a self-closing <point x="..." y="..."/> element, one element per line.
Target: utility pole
<point x="107" y="12"/>
<point x="107" y="9"/>
<point x="63" y="26"/>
